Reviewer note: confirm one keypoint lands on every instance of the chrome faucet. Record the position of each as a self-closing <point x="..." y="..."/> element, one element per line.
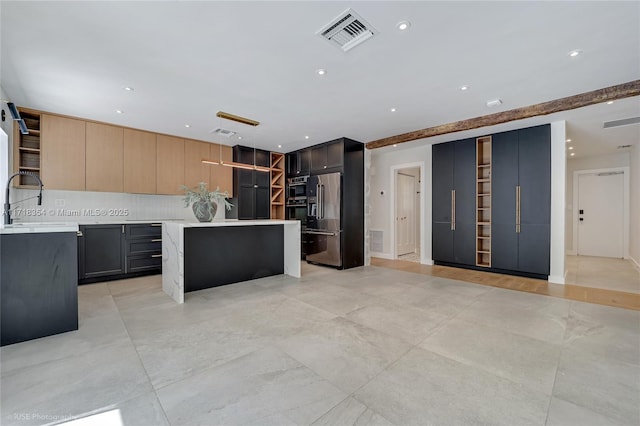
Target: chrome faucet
<point x="7" y="205"/>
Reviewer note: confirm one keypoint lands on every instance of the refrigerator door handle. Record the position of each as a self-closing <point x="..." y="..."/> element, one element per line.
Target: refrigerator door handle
<point x="322" y="202"/>
<point x="319" y="201"/>
<point x="328" y="234"/>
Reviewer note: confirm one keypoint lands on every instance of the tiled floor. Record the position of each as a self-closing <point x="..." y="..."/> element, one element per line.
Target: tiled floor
<point x="364" y="346"/>
<point x="603" y="272"/>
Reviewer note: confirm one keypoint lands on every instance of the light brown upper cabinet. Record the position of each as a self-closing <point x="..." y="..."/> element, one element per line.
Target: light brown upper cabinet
<point x="195" y="171"/>
<point x="222" y="176"/>
<point x="63" y="153"/>
<point x="139" y="162"/>
<point x="104" y="158"/>
<point x="169" y="165"/>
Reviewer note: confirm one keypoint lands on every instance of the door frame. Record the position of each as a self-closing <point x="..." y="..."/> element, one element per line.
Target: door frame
<point x="392" y="207"/>
<point x="415" y="240"/>
<point x="625" y="205"/>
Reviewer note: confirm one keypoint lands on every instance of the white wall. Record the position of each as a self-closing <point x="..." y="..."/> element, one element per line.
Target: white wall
<point x="381" y="194"/>
<point x="558" y="202"/>
<point x="634" y="203"/>
<point x="587" y="163"/>
<point x="7" y="127"/>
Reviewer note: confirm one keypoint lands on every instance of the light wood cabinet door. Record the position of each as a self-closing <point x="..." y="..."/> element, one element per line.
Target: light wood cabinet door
<point x="195" y="171"/>
<point x="169" y="165"/>
<point x="222" y="176"/>
<point x="139" y="162"/>
<point x="63" y="153"/>
<point x="104" y="158"/>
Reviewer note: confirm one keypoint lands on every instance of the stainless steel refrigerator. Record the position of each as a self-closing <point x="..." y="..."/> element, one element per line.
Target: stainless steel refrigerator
<point x="323" y="232"/>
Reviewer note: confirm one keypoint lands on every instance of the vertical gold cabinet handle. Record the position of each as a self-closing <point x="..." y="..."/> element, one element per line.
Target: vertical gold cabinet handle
<point x="453" y="209"/>
<point x="518" y="209"/>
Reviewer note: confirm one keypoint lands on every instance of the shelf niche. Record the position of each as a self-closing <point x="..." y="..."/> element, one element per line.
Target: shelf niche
<point x="28" y="150"/>
<point x="483" y="201"/>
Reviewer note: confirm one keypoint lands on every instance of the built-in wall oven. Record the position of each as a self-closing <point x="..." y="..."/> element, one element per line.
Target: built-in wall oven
<point x="296" y="203"/>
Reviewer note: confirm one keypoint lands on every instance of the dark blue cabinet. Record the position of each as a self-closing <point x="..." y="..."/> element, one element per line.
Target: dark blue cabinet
<point x="453" y="207"/>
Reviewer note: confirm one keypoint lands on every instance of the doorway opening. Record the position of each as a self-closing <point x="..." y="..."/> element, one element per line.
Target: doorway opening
<point x="601" y="231"/>
<point x="407" y="215"/>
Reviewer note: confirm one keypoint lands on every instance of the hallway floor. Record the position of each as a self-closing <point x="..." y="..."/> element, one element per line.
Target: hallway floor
<point x="603" y="272"/>
<point x="369" y="345"/>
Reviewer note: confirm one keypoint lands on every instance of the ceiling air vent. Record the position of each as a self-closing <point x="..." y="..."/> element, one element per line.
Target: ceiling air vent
<point x="623" y="122"/>
<point x="223" y="132"/>
<point x="347" y="30"/>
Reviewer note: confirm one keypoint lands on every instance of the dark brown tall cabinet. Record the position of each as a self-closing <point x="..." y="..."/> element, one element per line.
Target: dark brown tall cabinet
<point x="252" y="187"/>
<point x="494" y="214"/>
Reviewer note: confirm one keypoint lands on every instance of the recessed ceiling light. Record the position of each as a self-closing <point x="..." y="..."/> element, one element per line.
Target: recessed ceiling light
<point x="128" y="89"/>
<point x="463" y="88"/>
<point x="494" y="102"/>
<point x="393" y="110"/>
<point x="279" y="146"/>
<point x="403" y="25"/>
<point x="570" y="148"/>
<point x="573" y="154"/>
<point x="306" y="137"/>
<point x="119" y="111"/>
<point x="609" y="103"/>
<point x="568" y="140"/>
<point x="575" y="53"/>
<point x="321" y="71"/>
<point x="187" y="125"/>
<point x="395" y="145"/>
<point x="239" y="137"/>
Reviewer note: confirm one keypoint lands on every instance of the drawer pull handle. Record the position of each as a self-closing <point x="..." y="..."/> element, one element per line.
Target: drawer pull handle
<point x="156" y="255"/>
<point x="156" y="240"/>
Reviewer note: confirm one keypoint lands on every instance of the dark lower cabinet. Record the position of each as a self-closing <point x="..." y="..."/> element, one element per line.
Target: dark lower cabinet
<point x="117" y="251"/>
<point x="520" y="202"/>
<point x="101" y="251"/>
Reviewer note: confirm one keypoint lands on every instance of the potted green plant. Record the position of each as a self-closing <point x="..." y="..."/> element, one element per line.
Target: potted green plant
<point x="204" y="202"/>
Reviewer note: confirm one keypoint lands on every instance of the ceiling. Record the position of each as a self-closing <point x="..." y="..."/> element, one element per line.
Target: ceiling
<point x="188" y="60"/>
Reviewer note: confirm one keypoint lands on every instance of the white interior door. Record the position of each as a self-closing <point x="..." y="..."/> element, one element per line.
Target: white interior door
<point x="601" y="214"/>
<point x="405" y="214"/>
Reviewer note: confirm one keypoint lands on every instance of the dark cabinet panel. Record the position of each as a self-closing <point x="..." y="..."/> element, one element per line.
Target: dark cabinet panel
<point x="464" y="243"/>
<point x="318" y="159"/>
<point x="299" y="163"/>
<point x="251" y="185"/>
<point x="442" y="182"/>
<point x="327" y="157"/>
<point x="533" y="249"/>
<point x="262" y="207"/>
<point x="464" y="183"/>
<point x="102" y="250"/>
<point x="534" y="161"/>
<point x="442" y="242"/>
<point x="335" y="154"/>
<point x="504" y="159"/>
<point x="504" y="246"/>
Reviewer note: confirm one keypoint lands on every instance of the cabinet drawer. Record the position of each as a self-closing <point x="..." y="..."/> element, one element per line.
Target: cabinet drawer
<point x="148" y="262"/>
<point x="144" y="246"/>
<point x="143" y="230"/>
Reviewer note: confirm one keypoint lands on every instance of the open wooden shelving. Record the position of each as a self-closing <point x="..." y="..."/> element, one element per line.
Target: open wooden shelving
<point x="277" y="185"/>
<point x="483" y="201"/>
<point x="27" y="150"/>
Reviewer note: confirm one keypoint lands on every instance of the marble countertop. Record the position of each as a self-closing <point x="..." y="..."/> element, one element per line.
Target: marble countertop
<point x="233" y="222"/>
<point x="38" y="227"/>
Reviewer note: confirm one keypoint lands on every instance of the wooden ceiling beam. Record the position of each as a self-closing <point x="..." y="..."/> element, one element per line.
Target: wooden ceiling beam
<point x="621" y="91"/>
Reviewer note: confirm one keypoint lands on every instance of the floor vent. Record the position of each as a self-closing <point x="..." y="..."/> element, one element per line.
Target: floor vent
<point x="375" y="241"/>
<point x="347" y="30"/>
<point x="623" y="122"/>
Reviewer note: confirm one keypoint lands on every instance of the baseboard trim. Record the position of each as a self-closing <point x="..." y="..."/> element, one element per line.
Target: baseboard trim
<point x="428" y="262"/>
<point x="556" y="279"/>
<point x="571" y="253"/>
<point x="381" y="255"/>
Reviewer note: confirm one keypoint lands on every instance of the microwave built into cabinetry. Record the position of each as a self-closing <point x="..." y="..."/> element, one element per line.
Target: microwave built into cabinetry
<point x="116" y="251"/>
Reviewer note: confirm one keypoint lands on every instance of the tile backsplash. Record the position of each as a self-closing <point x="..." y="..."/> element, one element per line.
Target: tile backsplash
<point x="87" y="207"/>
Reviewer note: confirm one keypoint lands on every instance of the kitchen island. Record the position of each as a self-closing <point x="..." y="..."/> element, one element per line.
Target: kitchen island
<point x="196" y="256"/>
<point x="38" y="280"/>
